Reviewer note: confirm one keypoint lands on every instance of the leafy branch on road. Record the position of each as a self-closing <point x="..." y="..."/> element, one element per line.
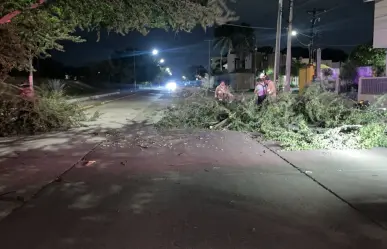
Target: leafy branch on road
<point x="314" y="120"/>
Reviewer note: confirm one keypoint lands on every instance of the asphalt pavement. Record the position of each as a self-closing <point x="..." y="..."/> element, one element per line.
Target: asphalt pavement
<point x="119" y="184"/>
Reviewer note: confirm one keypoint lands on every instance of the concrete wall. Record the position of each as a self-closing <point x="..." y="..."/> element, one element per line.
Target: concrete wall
<point x="231" y="62"/>
<point x="380" y="24"/>
<point x="249" y="61"/>
<point x="238" y="81"/>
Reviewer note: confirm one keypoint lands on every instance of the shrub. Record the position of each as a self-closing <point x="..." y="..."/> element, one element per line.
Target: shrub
<point x="49" y="111"/>
<point x="54" y="85"/>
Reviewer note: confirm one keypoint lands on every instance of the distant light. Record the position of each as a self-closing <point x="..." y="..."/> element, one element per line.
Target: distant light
<point x="183" y="77"/>
<point x="155" y="52"/>
<point x="294" y="33"/>
<point x="162" y="61"/>
<point x="171" y="86"/>
<point x="168" y="69"/>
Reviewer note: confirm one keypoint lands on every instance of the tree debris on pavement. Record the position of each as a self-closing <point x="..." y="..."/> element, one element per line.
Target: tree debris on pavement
<point x="315" y="119"/>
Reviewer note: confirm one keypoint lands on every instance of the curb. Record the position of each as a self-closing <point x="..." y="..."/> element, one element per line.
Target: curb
<point x="93" y="97"/>
<point x="106" y="102"/>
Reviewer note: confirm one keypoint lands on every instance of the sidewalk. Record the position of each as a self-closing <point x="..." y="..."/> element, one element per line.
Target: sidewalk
<point x="357" y="176"/>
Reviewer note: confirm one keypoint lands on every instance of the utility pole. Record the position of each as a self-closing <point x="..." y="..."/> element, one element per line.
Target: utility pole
<point x="315" y="13"/>
<point x="31" y="73"/>
<point x="289" y="49"/>
<point x="278" y="41"/>
<point x="209" y="61"/>
<point x="209" y="57"/>
<point x="134" y="69"/>
<point x="318" y="64"/>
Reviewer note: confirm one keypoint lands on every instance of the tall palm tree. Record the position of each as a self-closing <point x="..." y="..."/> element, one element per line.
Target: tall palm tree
<point x="240" y="39"/>
<point x="224" y="40"/>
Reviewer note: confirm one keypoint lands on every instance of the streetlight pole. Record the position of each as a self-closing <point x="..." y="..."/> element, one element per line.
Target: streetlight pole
<point x="289" y="49"/>
<point x="209" y="62"/>
<point x="278" y="41"/>
<point x="209" y="57"/>
<point x="134" y="69"/>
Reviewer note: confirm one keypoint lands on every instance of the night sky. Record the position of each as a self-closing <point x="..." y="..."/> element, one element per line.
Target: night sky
<point x="345" y="24"/>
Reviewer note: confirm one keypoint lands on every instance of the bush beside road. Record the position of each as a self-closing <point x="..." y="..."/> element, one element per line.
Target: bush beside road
<point x="50" y="111"/>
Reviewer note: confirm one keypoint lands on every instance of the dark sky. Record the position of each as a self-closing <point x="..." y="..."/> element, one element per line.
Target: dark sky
<point x="345" y="24"/>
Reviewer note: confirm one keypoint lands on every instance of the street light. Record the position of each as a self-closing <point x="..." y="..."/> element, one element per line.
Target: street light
<point x="162" y="61"/>
<point x="295" y="33"/>
<point x="168" y="70"/>
<point x="155" y="52"/>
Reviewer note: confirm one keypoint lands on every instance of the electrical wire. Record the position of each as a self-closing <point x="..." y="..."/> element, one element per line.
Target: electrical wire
<point x="338" y="45"/>
<point x="297" y="6"/>
<point x="303" y="44"/>
<point x="253" y="27"/>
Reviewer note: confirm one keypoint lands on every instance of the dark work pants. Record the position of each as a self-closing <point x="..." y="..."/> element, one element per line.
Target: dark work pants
<point x="261" y="99"/>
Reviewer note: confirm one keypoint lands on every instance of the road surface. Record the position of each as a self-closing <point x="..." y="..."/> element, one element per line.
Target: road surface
<point x="144" y="189"/>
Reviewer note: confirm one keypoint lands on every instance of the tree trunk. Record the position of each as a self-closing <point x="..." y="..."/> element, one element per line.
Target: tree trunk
<point x="31" y="75"/>
<point x="221" y="61"/>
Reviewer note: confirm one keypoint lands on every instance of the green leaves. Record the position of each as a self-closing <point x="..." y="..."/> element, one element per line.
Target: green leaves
<point x="315" y="120"/>
<point x="39" y="30"/>
<point x="124" y="16"/>
<point x="366" y="55"/>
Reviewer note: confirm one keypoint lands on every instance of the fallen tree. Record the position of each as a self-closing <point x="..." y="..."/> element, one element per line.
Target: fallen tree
<point x="314" y="120"/>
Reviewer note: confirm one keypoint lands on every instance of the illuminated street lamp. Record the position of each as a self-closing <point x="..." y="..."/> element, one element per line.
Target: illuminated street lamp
<point x="294" y="33"/>
<point x="155" y="52"/>
<point x="162" y="61"/>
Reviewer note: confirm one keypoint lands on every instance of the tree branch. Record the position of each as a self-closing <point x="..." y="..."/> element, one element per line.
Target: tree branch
<point x="7" y="18"/>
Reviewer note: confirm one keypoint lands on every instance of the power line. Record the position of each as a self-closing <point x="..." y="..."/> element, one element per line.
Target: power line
<point x="303" y="44"/>
<point x="339" y="45"/>
<point x="245" y="26"/>
<point x="304" y="3"/>
<point x="334" y="8"/>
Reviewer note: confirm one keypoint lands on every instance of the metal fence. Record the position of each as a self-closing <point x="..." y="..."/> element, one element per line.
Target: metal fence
<point x="371" y="88"/>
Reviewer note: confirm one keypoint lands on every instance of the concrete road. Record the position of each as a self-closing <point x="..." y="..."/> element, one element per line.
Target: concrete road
<point x="105" y="99"/>
<point x="145" y="189"/>
<point x="129" y="107"/>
